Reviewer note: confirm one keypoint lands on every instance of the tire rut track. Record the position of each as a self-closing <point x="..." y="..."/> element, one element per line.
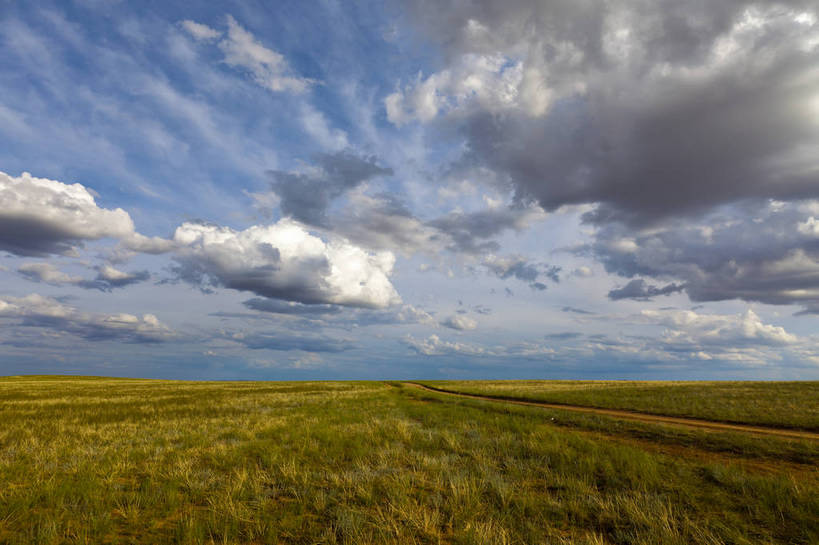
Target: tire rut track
<point x="634" y="415"/>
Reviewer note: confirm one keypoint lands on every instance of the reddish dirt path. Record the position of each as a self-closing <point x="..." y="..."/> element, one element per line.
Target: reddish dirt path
<point x="643" y="417"/>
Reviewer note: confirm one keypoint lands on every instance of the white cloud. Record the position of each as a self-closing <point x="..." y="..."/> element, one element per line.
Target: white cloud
<point x="434" y="346"/>
<point x="491" y="82"/>
<point x="40" y="216"/>
<point x="583" y="272"/>
<point x="147" y="245"/>
<point x="48" y="273"/>
<point x="113" y="275"/>
<point x="690" y="328"/>
<point x="242" y="50"/>
<point x="200" y="31"/>
<point x="285" y="261"/>
<point x="38" y="311"/>
<point x="269" y="68"/>
<point x="460" y="322"/>
<point x="316" y="125"/>
<point x="107" y="276"/>
<point x="809" y="227"/>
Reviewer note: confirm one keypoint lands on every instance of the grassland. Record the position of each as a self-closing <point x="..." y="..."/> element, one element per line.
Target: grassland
<point x="781" y="404"/>
<point x="86" y="460"/>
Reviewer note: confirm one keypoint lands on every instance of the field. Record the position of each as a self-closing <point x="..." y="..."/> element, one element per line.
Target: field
<point x="780" y="404"/>
<point x="94" y="460"/>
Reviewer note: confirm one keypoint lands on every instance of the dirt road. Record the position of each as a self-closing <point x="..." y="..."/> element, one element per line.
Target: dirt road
<point x="643" y="417"/>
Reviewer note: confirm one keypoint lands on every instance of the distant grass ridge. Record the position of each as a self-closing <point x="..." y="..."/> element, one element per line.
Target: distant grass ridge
<point x="142" y="461"/>
<point x="790" y="405"/>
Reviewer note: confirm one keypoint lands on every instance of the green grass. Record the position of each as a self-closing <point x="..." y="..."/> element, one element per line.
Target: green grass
<point x="779" y="404"/>
<point x="131" y="461"/>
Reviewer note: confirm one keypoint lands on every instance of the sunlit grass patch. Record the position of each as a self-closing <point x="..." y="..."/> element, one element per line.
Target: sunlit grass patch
<point x="124" y="461"/>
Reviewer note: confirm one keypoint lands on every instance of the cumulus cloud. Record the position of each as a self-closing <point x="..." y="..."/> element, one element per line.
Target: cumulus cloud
<point x="471" y="232"/>
<point x="404" y="314"/>
<point x="521" y="268"/>
<point x="660" y="106"/>
<point x="688" y="337"/>
<point x="435" y="346"/>
<point x="639" y="290"/>
<point x="754" y="253"/>
<point x="686" y="327"/>
<point x="661" y="117"/>
<point x="40" y="217"/>
<point x="107" y="277"/>
<point x="491" y="82"/>
<point x="285" y="261"/>
<point x="460" y="322"/>
<point x="385" y="221"/>
<point x="47" y="273"/>
<point x="147" y="245"/>
<point x="37" y="311"/>
<point x="306" y="197"/>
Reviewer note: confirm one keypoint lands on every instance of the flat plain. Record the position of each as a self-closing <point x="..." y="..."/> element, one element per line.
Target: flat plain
<point x="98" y="460"/>
<point x="778" y="404"/>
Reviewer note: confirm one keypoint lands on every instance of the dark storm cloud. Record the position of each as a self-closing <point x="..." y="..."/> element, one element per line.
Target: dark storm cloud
<point x="768" y="253"/>
<point x="473" y="232"/>
<point x="680" y="154"/>
<point x="662" y="117"/>
<point x="669" y="110"/>
<point x="306" y="197"/>
<point x="639" y="290"/>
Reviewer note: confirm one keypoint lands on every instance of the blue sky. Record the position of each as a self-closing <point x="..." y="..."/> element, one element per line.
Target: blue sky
<point x="300" y="190"/>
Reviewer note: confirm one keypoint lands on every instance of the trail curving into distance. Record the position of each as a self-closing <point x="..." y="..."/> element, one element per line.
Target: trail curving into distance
<point x="634" y="415"/>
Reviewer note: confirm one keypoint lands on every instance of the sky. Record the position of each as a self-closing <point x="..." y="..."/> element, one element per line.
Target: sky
<point x="375" y="190"/>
